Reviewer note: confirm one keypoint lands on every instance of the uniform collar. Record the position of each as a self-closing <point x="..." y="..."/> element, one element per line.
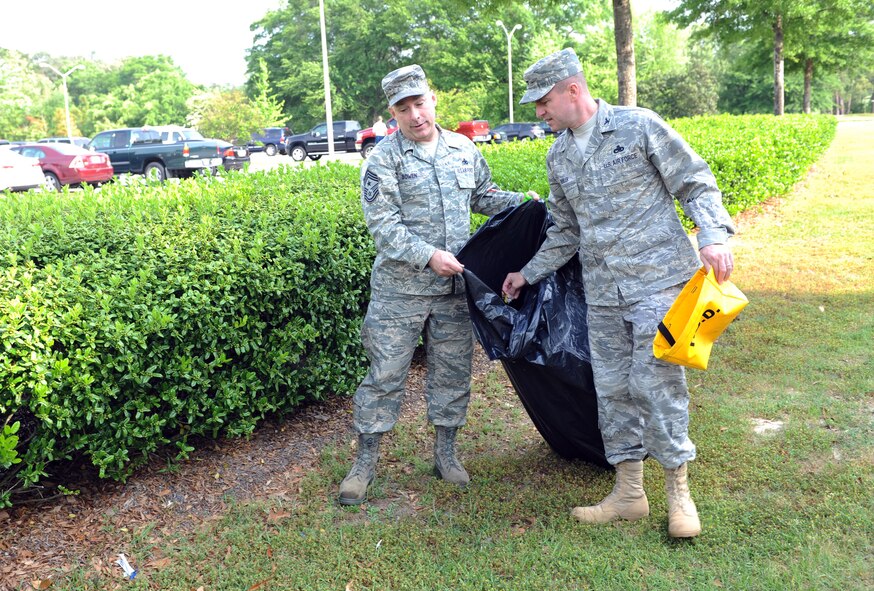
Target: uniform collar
<point x="606" y="123"/>
<point x="408" y="145"/>
<point x="605" y="117"/>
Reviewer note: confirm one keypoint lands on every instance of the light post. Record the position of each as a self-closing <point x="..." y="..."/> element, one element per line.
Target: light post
<point x="66" y="95"/>
<point x="509" y="34"/>
<point x="329" y="116"/>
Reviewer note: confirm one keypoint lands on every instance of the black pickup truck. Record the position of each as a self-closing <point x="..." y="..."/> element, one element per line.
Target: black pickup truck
<point x="314" y="143"/>
<point x="142" y="151"/>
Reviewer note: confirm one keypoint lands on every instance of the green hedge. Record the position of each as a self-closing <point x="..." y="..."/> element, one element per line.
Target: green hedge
<point x="753" y="157"/>
<point x="142" y="315"/>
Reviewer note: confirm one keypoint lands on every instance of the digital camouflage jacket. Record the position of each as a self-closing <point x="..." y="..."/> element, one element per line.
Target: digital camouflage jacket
<point x="415" y="204"/>
<point x="614" y="204"/>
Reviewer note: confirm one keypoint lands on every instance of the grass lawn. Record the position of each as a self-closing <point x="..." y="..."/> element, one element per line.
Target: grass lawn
<point x="789" y="508"/>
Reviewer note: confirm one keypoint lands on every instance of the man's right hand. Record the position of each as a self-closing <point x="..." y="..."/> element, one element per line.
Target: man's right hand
<point x="513" y="284"/>
<point x="445" y="264"/>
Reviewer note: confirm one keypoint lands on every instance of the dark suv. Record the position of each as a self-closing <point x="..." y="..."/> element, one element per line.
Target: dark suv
<point x="272" y="138"/>
<point x="314" y="143"/>
<point x="511" y="132"/>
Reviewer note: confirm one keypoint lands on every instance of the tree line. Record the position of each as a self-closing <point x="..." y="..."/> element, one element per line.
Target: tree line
<point x="703" y="57"/>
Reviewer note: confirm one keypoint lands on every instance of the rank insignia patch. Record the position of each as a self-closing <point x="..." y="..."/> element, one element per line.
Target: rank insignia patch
<point x="370" y="186"/>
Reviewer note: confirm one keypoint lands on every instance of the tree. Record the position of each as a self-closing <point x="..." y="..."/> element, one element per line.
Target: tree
<point x="691" y="90"/>
<point x="837" y="36"/>
<point x="458" y="44"/>
<point x="23" y="93"/>
<point x="224" y="114"/>
<point x="624" y="35"/>
<point x="732" y="20"/>
<point x="266" y="110"/>
<point x="231" y="115"/>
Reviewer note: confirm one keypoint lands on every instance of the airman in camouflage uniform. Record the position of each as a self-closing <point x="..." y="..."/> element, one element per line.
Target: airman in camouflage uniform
<point x="418" y="188"/>
<point x="612" y="176"/>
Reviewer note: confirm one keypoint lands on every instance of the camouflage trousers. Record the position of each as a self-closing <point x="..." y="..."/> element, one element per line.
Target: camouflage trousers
<point x="643" y="402"/>
<point x="390" y="333"/>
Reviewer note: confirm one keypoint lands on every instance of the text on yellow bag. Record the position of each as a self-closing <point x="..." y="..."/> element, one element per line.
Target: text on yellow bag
<point x="697" y="317"/>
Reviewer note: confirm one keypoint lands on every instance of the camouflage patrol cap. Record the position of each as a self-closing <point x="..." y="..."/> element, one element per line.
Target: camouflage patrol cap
<point x="545" y="73"/>
<point x="404" y="82"/>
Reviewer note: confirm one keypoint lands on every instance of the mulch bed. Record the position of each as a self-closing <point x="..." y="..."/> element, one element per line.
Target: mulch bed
<point x="171" y="499"/>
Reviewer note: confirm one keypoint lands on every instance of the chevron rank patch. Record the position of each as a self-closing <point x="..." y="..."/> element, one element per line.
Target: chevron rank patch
<point x="370" y="186"/>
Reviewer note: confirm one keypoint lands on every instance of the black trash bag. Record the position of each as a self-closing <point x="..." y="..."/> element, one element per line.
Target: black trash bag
<point x="541" y="338"/>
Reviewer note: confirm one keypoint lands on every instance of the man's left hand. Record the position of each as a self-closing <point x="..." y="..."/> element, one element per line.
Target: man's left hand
<point x="719" y="258"/>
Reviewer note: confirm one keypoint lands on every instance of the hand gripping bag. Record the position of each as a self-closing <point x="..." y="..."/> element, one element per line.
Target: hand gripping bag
<point x="701" y="312"/>
<point x="541" y="338"/>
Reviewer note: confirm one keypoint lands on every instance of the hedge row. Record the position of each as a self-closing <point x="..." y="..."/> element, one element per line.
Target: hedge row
<point x="140" y="316"/>
<point x="753" y="157"/>
<point x="143" y="315"/>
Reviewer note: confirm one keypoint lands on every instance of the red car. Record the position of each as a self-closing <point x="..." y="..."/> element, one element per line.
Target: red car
<point x="477" y="130"/>
<point x="365" y="139"/>
<point x="68" y="164"/>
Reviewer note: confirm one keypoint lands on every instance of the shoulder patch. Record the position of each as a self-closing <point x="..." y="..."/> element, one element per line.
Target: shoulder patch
<point x="370" y="186"/>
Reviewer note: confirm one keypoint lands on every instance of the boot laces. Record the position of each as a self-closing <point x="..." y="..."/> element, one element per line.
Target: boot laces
<point x="678" y="491"/>
<point x="363" y="461"/>
<point x="446" y="450"/>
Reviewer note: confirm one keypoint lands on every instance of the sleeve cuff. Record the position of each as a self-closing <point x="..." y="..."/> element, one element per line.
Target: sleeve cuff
<point x="711" y="236"/>
<point x="421" y="263"/>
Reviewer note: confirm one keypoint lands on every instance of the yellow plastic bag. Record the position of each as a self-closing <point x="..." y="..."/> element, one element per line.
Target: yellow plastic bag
<point x="696" y="319"/>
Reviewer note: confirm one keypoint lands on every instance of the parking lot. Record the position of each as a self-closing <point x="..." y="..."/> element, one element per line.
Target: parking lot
<point x="261" y="161"/>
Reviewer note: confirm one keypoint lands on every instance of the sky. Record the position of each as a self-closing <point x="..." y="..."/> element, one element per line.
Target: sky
<point x="208" y="40"/>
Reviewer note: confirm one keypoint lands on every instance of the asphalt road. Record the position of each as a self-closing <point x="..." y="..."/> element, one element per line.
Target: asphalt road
<point x="260" y="161"/>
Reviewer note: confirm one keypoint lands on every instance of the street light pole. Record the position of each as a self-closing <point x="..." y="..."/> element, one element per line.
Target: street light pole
<point x="509" y="34"/>
<point x="66" y="94"/>
<point x="329" y="116"/>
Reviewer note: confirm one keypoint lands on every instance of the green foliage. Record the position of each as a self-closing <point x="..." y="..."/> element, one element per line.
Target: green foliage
<point x="689" y="91"/>
<point x="148" y="90"/>
<point x="757" y="156"/>
<point x="457" y="105"/>
<point x="22" y="90"/>
<point x="753" y="157"/>
<point x="833" y="36"/>
<point x="141" y="316"/>
<point x="230" y="115"/>
<point x="459" y="45"/>
<point x="8" y="443"/>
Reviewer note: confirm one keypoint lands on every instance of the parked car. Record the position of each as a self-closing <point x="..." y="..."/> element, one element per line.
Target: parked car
<point x="547" y="130"/>
<point x="477" y="130"/>
<point x="314" y="143"/>
<point x="19" y="173"/>
<point x="68" y="164"/>
<point x="233" y="157"/>
<point x="365" y="139"/>
<point x="78" y="140"/>
<point x="140" y="150"/>
<point x="512" y="132"/>
<point x="271" y="140"/>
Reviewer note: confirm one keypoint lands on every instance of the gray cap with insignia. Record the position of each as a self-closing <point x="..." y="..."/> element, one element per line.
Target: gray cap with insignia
<point x="404" y="82"/>
<point x="545" y="73"/>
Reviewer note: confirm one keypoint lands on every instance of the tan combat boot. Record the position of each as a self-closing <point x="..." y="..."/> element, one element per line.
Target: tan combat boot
<point x="626" y="501"/>
<point x="353" y="489"/>
<point x="682" y="515"/>
<point x="446" y="464"/>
